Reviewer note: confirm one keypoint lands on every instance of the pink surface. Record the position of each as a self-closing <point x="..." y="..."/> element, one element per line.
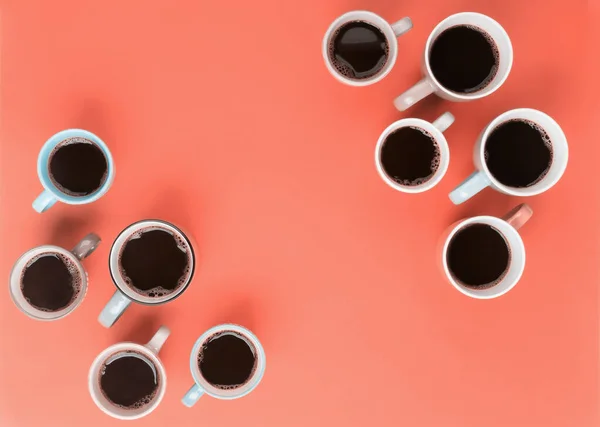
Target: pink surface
<point x="222" y="118"/>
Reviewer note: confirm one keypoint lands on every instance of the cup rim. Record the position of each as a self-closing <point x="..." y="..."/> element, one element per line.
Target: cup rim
<point x="495" y="222"/>
<point x="30" y="310"/>
<point x="512" y="191"/>
<point x="119" y="347"/>
<point x="113" y="262"/>
<point x="237" y="392"/>
<point x="381" y="24"/>
<point x="56" y="139"/>
<point x="440" y="139"/>
<point x="475" y="95"/>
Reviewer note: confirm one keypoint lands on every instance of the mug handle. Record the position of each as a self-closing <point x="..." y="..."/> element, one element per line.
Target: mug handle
<point x="443" y="122"/>
<point x="158" y="340"/>
<point x="519" y="216"/>
<point x="402" y="26"/>
<point x="421" y="90"/>
<point x="476" y="182"/>
<point x="44" y="201"/>
<point x="114" y="309"/>
<point x="87" y="245"/>
<point x="192" y="396"/>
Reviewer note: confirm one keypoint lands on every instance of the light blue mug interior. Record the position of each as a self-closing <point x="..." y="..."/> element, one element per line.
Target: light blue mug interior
<point x="44" y="173"/>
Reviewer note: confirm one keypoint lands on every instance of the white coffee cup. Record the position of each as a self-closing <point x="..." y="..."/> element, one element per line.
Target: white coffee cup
<point x="507" y="227"/>
<point x="73" y="258"/>
<point x="434" y="129"/>
<point x="149" y="354"/>
<point x="390" y="31"/>
<point x="429" y="84"/>
<point x="125" y="293"/>
<point x="482" y="177"/>
<point x="202" y="386"/>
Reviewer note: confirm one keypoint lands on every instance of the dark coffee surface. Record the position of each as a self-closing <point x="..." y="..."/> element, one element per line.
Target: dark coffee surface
<point x="129" y="382"/>
<point x="47" y="283"/>
<point x="78" y="168"/>
<point x="360" y="50"/>
<point x="518" y="153"/>
<point x="463" y="59"/>
<point x="410" y="156"/>
<point x="478" y="256"/>
<point x="227" y="360"/>
<point x="154" y="260"/>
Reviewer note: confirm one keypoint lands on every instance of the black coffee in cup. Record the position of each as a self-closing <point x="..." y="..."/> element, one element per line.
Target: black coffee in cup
<point x="478" y="256"/>
<point x="518" y="153"/>
<point x="78" y="167"/>
<point x="410" y="156"/>
<point x="129" y="380"/>
<point x="155" y="262"/>
<point x="358" y="50"/>
<point x="227" y="360"/>
<point x="50" y="281"/>
<point x="464" y="59"/>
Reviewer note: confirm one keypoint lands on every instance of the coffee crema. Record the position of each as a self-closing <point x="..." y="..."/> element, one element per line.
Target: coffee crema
<point x="129" y="380"/>
<point x="358" y="50"/>
<point x="78" y="167"/>
<point x="410" y="156"/>
<point x="227" y="360"/>
<point x="155" y="262"/>
<point x="478" y="256"/>
<point x="50" y="281"/>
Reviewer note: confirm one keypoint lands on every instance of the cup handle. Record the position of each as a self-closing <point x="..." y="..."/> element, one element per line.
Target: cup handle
<point x="87" y="245"/>
<point x="519" y="216"/>
<point x="402" y="26"/>
<point x="444" y="121"/>
<point x="158" y="340"/>
<point x="44" y="201"/>
<point x="476" y="182"/>
<point x="192" y="396"/>
<point x="114" y="309"/>
<point x="413" y="95"/>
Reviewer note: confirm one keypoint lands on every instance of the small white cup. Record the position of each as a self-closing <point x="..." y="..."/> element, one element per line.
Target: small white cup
<point x="507" y="226"/>
<point x="82" y="250"/>
<point x="149" y="352"/>
<point x="482" y="177"/>
<point x="434" y="129"/>
<point x="429" y="84"/>
<point x="390" y="31"/>
<point x="202" y="386"/>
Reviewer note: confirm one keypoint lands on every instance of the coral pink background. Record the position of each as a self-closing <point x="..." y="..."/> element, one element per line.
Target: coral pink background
<point x="223" y="119"/>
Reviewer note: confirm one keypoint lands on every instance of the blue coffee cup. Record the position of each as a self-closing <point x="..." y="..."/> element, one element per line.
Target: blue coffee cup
<point x="202" y="386"/>
<point x="52" y="193"/>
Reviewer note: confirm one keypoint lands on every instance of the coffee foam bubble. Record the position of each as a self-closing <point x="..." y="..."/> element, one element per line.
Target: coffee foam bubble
<point x="342" y="66"/>
<point x="159" y="291"/>
<point x="435" y="162"/>
<point x="73" y="271"/>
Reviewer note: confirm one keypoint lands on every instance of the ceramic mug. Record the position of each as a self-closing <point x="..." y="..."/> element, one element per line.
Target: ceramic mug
<point x="390" y="31"/>
<point x="435" y="130"/>
<point x="482" y="177"/>
<point x="147" y="353"/>
<point x="429" y="84"/>
<point x="507" y="226"/>
<point x="202" y="386"/>
<point x="72" y="259"/>
<point x="126" y="293"/>
<point x="52" y="193"/>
